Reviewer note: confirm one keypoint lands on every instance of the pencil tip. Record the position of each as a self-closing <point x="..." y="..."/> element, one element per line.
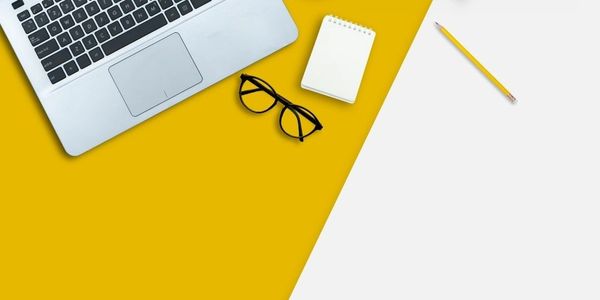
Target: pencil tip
<point x="512" y="98"/>
<point x="438" y="25"/>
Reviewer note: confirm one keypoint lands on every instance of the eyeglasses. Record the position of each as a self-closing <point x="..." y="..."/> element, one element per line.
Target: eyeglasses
<point x="260" y="97"/>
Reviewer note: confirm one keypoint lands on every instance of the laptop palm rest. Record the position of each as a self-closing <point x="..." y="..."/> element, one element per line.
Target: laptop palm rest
<point x="155" y="74"/>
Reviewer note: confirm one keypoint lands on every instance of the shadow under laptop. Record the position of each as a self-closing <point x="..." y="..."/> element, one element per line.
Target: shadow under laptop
<point x="31" y="93"/>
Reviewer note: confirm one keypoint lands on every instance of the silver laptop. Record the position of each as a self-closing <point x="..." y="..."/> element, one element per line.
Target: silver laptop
<point x="100" y="67"/>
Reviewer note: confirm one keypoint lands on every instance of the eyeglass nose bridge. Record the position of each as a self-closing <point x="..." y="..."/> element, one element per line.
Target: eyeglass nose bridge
<point x="285" y="102"/>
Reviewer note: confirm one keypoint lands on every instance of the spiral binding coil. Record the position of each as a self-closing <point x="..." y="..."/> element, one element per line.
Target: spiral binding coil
<point x="351" y="25"/>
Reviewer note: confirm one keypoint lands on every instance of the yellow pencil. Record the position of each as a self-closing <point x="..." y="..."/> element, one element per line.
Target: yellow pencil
<point x="474" y="60"/>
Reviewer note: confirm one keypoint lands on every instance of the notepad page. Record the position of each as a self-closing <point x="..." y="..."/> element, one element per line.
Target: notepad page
<point x="339" y="59"/>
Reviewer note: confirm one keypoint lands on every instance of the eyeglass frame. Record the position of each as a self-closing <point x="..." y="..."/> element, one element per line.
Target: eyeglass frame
<point x="288" y="105"/>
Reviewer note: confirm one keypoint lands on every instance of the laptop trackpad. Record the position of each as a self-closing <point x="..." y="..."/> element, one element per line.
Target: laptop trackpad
<point x="155" y="74"/>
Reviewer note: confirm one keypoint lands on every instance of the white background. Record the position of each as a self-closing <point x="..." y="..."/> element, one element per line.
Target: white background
<point x="458" y="194"/>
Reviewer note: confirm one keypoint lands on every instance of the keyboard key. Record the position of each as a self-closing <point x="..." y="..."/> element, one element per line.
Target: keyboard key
<point x="140" y="15"/>
<point x="54" y="28"/>
<point x="77" y="49"/>
<point x="127" y="22"/>
<point x="177" y="1"/>
<point x="46" y="49"/>
<point x="18" y="4"/>
<point x="22" y="16"/>
<point x="29" y="26"/>
<point x="42" y="19"/>
<point x="67" y="6"/>
<point x="102" y="35"/>
<point x="36" y="9"/>
<point x="79" y="3"/>
<point x="172" y="14"/>
<point x="76" y="32"/>
<point x="67" y="22"/>
<point x="114" y="12"/>
<point x="64" y="39"/>
<point x="115" y="28"/>
<point x="89" y="42"/>
<point x="199" y="3"/>
<point x="102" y="19"/>
<point x="54" y="13"/>
<point x="89" y="26"/>
<point x="184" y="8"/>
<point x="96" y="54"/>
<point x="164" y="4"/>
<point x="39" y="37"/>
<point x="104" y="4"/>
<point x="56" y="75"/>
<point x="80" y="15"/>
<point x="92" y="9"/>
<point x="71" y="68"/>
<point x="84" y="61"/>
<point x="127" y="6"/>
<point x="153" y="8"/>
<point x="47" y="3"/>
<point x="134" y="34"/>
<point x="56" y="59"/>
<point x="140" y="3"/>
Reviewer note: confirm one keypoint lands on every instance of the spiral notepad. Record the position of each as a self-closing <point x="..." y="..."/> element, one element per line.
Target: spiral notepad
<point x="339" y="59"/>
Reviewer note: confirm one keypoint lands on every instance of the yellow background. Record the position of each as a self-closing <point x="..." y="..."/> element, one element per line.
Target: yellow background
<point x="204" y="201"/>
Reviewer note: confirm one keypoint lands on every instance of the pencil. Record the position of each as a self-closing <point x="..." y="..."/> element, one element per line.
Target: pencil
<point x="476" y="62"/>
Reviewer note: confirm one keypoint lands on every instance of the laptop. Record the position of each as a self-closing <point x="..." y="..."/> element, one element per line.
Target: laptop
<point x="100" y="67"/>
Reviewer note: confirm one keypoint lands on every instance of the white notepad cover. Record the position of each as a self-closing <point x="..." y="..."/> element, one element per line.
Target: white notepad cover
<point x="339" y="59"/>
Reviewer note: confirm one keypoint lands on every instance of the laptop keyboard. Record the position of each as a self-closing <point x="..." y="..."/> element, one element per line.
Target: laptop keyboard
<point x="70" y="35"/>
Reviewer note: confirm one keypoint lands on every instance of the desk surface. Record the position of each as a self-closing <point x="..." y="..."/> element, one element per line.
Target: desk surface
<point x="202" y="201"/>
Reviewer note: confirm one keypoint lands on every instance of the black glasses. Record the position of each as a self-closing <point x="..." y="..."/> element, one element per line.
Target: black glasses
<point x="260" y="97"/>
